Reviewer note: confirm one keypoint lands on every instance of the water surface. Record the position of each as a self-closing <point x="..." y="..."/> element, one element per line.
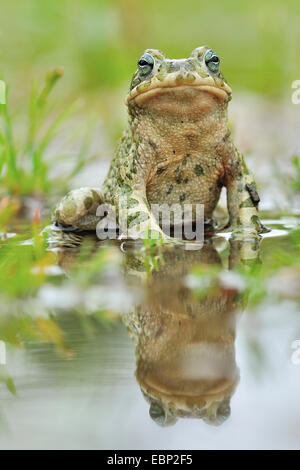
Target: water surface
<point x="149" y="355"/>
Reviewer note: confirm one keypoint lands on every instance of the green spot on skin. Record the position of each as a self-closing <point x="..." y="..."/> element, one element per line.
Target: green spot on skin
<point x="245" y="169"/>
<point x="96" y="196"/>
<point x="247" y="203"/>
<point x="88" y="202"/>
<point x="132" y="203"/>
<point x="126" y="189"/>
<point x="198" y="170"/>
<point x="258" y="225"/>
<point x="170" y="189"/>
<point x="179" y="176"/>
<point x="136" y="219"/>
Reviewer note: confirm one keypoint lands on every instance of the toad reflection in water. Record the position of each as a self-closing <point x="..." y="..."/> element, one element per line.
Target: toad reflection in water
<point x="185" y="351"/>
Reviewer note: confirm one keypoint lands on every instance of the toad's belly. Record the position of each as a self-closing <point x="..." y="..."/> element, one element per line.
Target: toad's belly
<point x="191" y="182"/>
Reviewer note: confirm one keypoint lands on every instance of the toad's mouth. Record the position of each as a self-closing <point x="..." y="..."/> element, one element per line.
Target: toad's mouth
<point x="187" y="400"/>
<point x="147" y="90"/>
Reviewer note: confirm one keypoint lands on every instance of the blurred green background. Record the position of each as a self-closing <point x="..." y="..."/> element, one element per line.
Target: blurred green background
<point x="98" y="42"/>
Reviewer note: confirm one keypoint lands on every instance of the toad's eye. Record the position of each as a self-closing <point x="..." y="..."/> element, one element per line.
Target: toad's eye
<point x="212" y="61"/>
<point x="145" y="64"/>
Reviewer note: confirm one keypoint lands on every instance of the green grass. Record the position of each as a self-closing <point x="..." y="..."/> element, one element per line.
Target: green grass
<point x="24" y="166"/>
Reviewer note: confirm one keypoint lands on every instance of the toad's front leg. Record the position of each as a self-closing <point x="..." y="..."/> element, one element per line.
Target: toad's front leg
<point x="135" y="217"/>
<point x="242" y="200"/>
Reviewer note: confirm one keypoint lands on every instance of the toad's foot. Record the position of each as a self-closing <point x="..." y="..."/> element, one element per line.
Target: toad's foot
<point x="77" y="210"/>
<point x="252" y="229"/>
